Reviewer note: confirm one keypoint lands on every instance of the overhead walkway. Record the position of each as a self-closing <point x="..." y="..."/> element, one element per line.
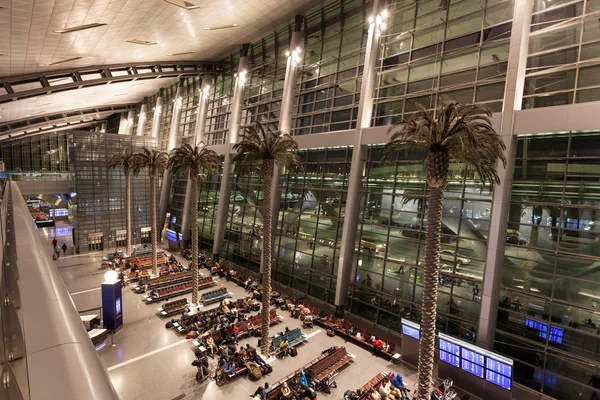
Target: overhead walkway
<point x="47" y="353"/>
<point x="35" y="183"/>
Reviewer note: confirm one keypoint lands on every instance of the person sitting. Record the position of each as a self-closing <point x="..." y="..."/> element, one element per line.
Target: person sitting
<point x="251" y="329"/>
<point x="229" y="367"/>
<point x="308" y="321"/>
<point x="284" y="347"/>
<point x="287" y="329"/>
<point x="261" y="391"/>
<point x="303" y="313"/>
<point x="400" y="385"/>
<point x="388" y="392"/>
<point x="285" y="391"/>
<point x="374" y="394"/>
<point x="377" y="347"/>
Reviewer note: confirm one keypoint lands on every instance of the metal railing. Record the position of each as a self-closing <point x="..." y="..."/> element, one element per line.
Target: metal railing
<point x="36" y="176"/>
<point x="46" y="352"/>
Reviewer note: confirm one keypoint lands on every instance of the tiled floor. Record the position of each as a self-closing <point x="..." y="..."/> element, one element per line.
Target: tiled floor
<point x="150" y="362"/>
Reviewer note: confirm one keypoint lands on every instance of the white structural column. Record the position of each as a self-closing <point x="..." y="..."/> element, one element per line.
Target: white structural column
<point x="365" y="111"/>
<point x="294" y="58"/>
<point x="207" y="83"/>
<point x="165" y="188"/>
<point x="142" y="120"/>
<point x="156" y="118"/>
<point x="513" y="97"/>
<point x="130" y="117"/>
<point x="232" y="138"/>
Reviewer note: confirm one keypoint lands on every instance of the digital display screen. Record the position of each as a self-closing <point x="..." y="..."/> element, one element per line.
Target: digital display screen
<point x="59" y="212"/>
<point x="174" y="219"/>
<point x="411" y="332"/>
<point x="450" y="358"/>
<point x="472" y="368"/>
<point x="556" y="335"/>
<point x="499" y="367"/>
<point x="540" y="326"/>
<point x="450" y="347"/>
<point x="470" y="355"/>
<point x="118" y="306"/>
<point x="171" y="235"/>
<point x="498" y="379"/>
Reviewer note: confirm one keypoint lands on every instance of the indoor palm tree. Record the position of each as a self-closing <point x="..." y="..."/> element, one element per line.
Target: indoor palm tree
<point x="156" y="162"/>
<point x="262" y="148"/>
<point x="463" y="133"/>
<point x="125" y="160"/>
<point x="193" y="160"/>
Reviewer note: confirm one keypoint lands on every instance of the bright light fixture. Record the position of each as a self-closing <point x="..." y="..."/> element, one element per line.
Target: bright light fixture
<point x="64" y="61"/>
<point x="111" y="276"/>
<point x="216" y="28"/>
<point x="182" y="4"/>
<point x="182" y="53"/>
<point x="142" y="42"/>
<point x="79" y="28"/>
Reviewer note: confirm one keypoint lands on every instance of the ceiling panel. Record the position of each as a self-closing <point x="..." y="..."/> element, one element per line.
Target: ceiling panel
<point x="29" y="44"/>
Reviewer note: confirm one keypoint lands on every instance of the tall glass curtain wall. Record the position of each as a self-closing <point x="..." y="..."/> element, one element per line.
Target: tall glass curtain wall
<point x="436" y="52"/>
<point x="549" y="320"/>
<point x="563" y="51"/>
<point x="100" y="192"/>
<point x="40" y="153"/>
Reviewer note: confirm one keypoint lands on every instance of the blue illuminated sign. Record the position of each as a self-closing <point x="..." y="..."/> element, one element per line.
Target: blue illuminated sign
<point x="171" y="236"/>
<point x="118" y="306"/>
<point x="498" y="367"/>
<point x="411" y="329"/>
<point x="450" y="347"/>
<point x="556" y="335"/>
<point x="472" y="368"/>
<point x="484" y="364"/>
<point x="450" y="358"/>
<point x="472" y="356"/>
<point x="174" y="219"/>
<point x="498" y="379"/>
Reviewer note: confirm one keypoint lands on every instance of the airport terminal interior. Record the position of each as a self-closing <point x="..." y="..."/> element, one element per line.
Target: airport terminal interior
<point x="93" y="307"/>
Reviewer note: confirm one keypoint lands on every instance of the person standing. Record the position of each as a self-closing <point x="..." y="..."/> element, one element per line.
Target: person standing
<point x="64" y="248"/>
<point x="54" y="242"/>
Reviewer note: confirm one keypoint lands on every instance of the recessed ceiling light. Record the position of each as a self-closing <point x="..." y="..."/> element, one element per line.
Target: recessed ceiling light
<point x="215" y="28"/>
<point x="181" y="54"/>
<point x="79" y="28"/>
<point x="183" y="4"/>
<point x="143" y="42"/>
<point x="64" y="61"/>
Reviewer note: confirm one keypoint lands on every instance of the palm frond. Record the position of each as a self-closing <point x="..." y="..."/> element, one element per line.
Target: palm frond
<point x="258" y="144"/>
<point x="123" y="159"/>
<point x="193" y="158"/>
<point x="153" y="160"/>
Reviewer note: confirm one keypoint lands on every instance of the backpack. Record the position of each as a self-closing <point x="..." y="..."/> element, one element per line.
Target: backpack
<point x="330" y="333"/>
<point x="169" y="325"/>
<point x="255" y="374"/>
<point x="293" y="352"/>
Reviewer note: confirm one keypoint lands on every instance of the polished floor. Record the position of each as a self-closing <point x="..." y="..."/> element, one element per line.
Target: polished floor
<point x="150" y="362"/>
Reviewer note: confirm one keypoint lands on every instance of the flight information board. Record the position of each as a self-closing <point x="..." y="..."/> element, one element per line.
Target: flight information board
<point x="411" y="329"/>
<point x="556" y="334"/>
<point x="482" y="363"/>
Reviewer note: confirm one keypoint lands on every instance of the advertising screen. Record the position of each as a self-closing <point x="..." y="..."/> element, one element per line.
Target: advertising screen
<point x="118" y="306"/>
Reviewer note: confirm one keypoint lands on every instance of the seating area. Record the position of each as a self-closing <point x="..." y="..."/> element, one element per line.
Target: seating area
<point x="373" y="384"/>
<point x="242" y="326"/>
<point x="165" y="280"/>
<point x="294" y="337"/>
<point x="335" y="361"/>
<point x="214" y="296"/>
<point x="145" y="260"/>
<point x="173" y="307"/>
<point x="328" y="361"/>
<point x="177" y="290"/>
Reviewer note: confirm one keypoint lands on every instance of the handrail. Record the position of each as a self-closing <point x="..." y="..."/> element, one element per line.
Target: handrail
<point x="62" y="362"/>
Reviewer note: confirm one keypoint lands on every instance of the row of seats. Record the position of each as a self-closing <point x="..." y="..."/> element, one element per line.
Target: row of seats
<point x="183" y="287"/>
<point x="331" y="363"/>
<point x="294" y="337"/>
<point x="242" y="326"/>
<point x="374" y="383"/>
<point x="168" y="278"/>
<point x="145" y="256"/>
<point x="214" y="295"/>
<point x="175" y="305"/>
<point x="276" y="388"/>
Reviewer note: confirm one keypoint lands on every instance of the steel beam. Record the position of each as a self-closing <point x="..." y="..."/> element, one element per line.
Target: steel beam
<point x="75" y="78"/>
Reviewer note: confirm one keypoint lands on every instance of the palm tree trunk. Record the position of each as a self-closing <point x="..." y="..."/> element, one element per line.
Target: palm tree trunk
<point x="430" y="292"/>
<point x="267" y="252"/>
<point x="128" y="211"/>
<point x="193" y="180"/>
<point x="153" y="228"/>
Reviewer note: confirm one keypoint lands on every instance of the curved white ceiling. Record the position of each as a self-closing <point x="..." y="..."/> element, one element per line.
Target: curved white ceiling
<point x="28" y="42"/>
